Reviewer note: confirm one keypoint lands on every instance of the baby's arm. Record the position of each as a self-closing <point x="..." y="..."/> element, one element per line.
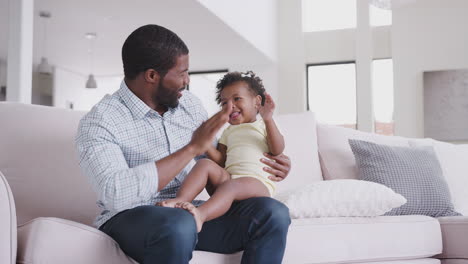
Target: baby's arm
<point x="218" y="155"/>
<point x="274" y="138"/>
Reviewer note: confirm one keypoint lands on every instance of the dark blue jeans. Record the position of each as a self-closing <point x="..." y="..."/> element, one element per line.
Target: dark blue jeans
<point x="153" y="234"/>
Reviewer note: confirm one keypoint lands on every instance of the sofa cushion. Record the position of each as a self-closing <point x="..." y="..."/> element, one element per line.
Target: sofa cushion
<point x="39" y="160"/>
<point x="315" y="240"/>
<point x="204" y="257"/>
<point x="454" y="237"/>
<point x="454" y="261"/>
<point x="54" y="240"/>
<point x="406" y="261"/>
<point x="336" y="158"/>
<point x="57" y="241"/>
<point x="341" y="198"/>
<point x="413" y="172"/>
<point x="362" y="239"/>
<point x="454" y="162"/>
<point x="300" y="135"/>
<point x="7" y="223"/>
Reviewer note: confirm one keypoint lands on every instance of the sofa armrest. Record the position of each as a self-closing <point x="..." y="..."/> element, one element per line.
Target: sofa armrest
<point x="8" y="224"/>
<point x="454" y="238"/>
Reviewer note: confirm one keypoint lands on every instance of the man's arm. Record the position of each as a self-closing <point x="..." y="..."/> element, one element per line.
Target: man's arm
<point x="202" y="139"/>
<point x="103" y="162"/>
<point x="278" y="166"/>
<point x="121" y="187"/>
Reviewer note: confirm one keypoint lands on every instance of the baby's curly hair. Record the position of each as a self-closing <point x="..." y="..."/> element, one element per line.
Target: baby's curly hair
<point x="254" y="82"/>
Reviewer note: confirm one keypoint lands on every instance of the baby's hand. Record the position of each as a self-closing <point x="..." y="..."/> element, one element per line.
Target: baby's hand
<point x="266" y="111"/>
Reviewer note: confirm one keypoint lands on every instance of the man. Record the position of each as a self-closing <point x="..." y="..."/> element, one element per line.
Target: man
<point x="137" y="145"/>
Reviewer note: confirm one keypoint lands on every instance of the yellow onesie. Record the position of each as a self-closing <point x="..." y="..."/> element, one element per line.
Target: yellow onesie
<point x="246" y="144"/>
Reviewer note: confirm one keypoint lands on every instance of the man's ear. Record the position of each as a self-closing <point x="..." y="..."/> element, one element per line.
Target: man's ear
<point x="152" y="76"/>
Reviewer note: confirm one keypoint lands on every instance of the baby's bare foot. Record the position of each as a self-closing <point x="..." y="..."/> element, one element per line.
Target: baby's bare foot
<point x="169" y="203"/>
<point x="194" y="211"/>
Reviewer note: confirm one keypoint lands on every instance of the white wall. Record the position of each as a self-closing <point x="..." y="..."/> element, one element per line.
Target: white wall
<point x="339" y="45"/>
<point x="427" y="35"/>
<point x="254" y="20"/>
<point x="4" y="18"/>
<point x="69" y="88"/>
<point x="257" y="22"/>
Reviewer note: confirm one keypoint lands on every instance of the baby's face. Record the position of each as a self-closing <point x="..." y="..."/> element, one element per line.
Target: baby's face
<point x="245" y="103"/>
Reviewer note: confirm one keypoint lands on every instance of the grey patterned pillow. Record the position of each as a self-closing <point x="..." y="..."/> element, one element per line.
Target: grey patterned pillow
<point x="413" y="172"/>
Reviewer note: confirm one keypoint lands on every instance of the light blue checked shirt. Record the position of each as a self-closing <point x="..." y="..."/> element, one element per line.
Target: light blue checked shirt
<point x="120" y="140"/>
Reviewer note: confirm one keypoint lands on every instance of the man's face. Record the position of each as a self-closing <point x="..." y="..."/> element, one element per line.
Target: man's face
<point x="173" y="83"/>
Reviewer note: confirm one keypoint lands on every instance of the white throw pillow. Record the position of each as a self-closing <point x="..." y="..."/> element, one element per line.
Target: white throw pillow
<point x="453" y="160"/>
<point x="341" y="198"/>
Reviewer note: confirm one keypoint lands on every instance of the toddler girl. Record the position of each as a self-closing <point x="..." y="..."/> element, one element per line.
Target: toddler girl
<point x="234" y="171"/>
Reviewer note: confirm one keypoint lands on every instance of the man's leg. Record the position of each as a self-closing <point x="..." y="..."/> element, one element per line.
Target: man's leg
<point x="153" y="234"/>
<point x="258" y="226"/>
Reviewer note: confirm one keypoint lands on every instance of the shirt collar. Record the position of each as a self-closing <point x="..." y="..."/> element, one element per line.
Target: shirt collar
<point x="136" y="106"/>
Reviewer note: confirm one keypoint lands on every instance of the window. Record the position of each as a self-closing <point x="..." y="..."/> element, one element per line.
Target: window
<point x="331" y="90"/>
<point x="382" y="83"/>
<point x="379" y="16"/>
<point x="203" y="85"/>
<point x="320" y="15"/>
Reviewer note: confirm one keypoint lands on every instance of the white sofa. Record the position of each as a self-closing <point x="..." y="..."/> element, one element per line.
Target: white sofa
<point x="55" y="205"/>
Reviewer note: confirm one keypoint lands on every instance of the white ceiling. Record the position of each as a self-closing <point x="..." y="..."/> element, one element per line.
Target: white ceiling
<point x="212" y="44"/>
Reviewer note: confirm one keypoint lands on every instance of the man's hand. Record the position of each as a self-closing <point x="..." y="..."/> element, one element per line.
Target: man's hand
<point x="278" y="166"/>
<point x="202" y="138"/>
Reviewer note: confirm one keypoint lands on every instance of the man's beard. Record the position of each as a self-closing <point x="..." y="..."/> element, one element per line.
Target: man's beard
<point x="166" y="97"/>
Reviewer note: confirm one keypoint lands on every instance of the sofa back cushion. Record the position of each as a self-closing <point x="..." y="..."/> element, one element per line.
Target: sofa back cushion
<point x="336" y="157"/>
<point x="38" y="158"/>
<point x="300" y="135"/>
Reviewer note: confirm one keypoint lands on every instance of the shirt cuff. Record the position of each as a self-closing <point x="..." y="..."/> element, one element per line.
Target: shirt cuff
<point x="149" y="179"/>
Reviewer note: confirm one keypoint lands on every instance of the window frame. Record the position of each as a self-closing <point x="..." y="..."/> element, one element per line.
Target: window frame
<point x="226" y="70"/>
<point x="393" y="76"/>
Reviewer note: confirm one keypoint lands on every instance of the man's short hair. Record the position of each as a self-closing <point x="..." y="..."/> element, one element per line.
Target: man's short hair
<point x="151" y="47"/>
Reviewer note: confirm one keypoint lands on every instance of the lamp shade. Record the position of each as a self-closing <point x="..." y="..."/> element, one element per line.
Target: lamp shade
<point x="91" y="82"/>
<point x="44" y="67"/>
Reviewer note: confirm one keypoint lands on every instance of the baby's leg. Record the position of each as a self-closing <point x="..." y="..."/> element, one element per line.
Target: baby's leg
<point x="226" y="193"/>
<point x="203" y="172"/>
